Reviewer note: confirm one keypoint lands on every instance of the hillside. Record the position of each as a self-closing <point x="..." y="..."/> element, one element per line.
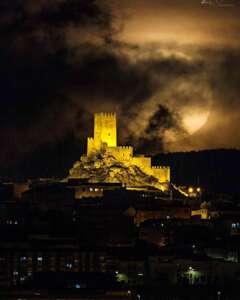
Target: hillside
<point x="215" y="170"/>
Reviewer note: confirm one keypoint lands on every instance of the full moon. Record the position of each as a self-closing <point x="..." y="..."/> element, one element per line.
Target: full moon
<point x="194" y="120"/>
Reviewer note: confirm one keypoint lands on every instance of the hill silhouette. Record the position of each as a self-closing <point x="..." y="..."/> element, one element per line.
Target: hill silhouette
<point x="215" y="170"/>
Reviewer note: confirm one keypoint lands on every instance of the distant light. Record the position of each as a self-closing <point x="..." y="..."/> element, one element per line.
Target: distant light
<point x="69" y="265"/>
<point x="190" y="190"/>
<point x="77" y="286"/>
<point x="40" y="258"/>
<point x="23" y="258"/>
<point x="140" y="274"/>
<point x="116" y="272"/>
<point x="193" y="246"/>
<point x="129" y="292"/>
<point x="168" y="217"/>
<point x="198" y="189"/>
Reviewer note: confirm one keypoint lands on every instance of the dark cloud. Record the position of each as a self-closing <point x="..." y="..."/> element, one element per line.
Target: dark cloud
<point x="158" y="124"/>
<point x="36" y="77"/>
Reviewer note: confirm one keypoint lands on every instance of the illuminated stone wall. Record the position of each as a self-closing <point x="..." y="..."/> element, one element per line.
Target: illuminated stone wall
<point x="162" y="173"/>
<point x="105" y="132"/>
<point x="105" y="129"/>
<point x="121" y="153"/>
<point x="203" y="212"/>
<point x="144" y="163"/>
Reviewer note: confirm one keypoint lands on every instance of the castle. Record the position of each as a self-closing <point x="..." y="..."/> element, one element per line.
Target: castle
<point x="105" y="140"/>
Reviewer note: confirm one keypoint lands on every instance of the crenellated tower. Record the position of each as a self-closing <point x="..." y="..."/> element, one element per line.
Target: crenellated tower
<point x="105" y="132"/>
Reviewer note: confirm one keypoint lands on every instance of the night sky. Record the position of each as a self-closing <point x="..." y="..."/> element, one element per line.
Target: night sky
<point x="170" y="69"/>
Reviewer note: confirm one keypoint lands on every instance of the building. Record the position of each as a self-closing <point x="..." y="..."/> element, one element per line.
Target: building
<point x="104" y="142"/>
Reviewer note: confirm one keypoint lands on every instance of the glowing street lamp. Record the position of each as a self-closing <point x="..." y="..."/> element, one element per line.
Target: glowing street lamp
<point x="190" y="190"/>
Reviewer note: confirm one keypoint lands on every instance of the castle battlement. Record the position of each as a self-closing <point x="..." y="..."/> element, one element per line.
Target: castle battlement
<point x="125" y="147"/>
<point x="105" y="115"/>
<point x="160" y="167"/>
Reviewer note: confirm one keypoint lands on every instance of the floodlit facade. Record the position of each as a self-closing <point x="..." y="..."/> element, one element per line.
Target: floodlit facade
<point x="105" y="139"/>
<point x="105" y="155"/>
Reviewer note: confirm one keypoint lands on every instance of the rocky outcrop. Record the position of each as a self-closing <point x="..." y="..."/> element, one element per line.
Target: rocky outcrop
<point x="105" y="168"/>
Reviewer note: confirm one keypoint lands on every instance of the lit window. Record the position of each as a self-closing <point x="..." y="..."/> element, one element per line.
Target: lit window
<point x="40" y="259"/>
<point x="78" y="286"/>
<point x="69" y="265"/>
<point x="23" y="258"/>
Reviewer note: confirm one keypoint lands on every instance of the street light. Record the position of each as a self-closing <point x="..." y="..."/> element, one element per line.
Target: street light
<point x="190" y="190"/>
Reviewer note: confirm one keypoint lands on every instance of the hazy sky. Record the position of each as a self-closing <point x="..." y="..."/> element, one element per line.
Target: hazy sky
<point x="186" y="21"/>
<point x="170" y="69"/>
<point x="205" y="37"/>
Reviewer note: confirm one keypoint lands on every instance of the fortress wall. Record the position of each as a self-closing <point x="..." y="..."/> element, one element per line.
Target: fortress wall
<point x="143" y="162"/>
<point x="91" y="146"/>
<point x="121" y="153"/>
<point x="162" y="173"/>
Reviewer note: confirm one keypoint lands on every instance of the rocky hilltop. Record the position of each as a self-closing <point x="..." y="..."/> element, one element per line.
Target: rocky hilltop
<point x="103" y="167"/>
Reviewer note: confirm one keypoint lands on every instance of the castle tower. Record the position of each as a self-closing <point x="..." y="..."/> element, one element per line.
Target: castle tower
<point x="105" y="132"/>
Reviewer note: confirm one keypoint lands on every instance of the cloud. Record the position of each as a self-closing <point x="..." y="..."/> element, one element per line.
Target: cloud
<point x="63" y="60"/>
<point x="36" y="75"/>
<point x="161" y="125"/>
